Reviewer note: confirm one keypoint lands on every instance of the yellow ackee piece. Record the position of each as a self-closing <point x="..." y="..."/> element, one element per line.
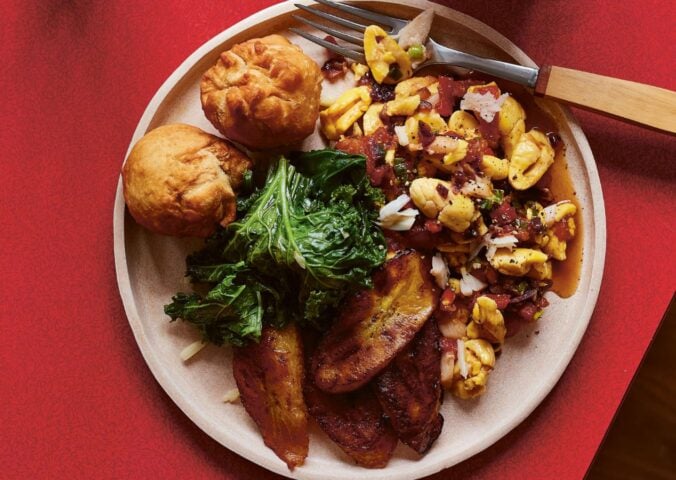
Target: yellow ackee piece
<point x="454" y="211"/>
<point x="359" y="70"/>
<point x="511" y="124"/>
<point x="494" y="167"/>
<point x="458" y="214"/>
<point x="480" y="359"/>
<point x="517" y="262"/>
<point x="412" y="129"/>
<point x="541" y="271"/>
<point x="530" y="159"/>
<point x="371" y="120"/>
<point x="403" y="106"/>
<point x="349" y="108"/>
<point x="456" y="155"/>
<point x="434" y="120"/>
<point x="412" y="86"/>
<point x="487" y="321"/>
<point x="463" y="123"/>
<point x="385" y="57"/>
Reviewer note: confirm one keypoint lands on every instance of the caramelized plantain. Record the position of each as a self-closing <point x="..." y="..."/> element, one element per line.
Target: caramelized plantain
<point x="375" y="325"/>
<point x="270" y="377"/>
<point x="355" y="422"/>
<point x="409" y="390"/>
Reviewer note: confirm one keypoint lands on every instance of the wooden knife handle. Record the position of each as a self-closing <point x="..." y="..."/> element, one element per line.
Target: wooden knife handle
<point x="638" y="103"/>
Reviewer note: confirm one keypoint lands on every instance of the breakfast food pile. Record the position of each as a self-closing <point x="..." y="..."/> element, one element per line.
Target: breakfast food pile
<point x="359" y="282"/>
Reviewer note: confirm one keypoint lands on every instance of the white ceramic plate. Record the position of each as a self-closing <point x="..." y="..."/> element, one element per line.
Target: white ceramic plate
<point x="150" y="269"/>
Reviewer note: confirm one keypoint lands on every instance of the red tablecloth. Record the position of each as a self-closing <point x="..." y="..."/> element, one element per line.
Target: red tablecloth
<point x="78" y="400"/>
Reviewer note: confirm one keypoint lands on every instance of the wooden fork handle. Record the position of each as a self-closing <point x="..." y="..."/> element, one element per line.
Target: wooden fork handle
<point x="638" y="103"/>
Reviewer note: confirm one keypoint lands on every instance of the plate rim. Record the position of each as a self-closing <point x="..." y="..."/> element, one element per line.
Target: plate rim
<point x="189" y="408"/>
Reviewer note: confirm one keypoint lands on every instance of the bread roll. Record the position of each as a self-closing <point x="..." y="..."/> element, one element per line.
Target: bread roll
<point x="181" y="181"/>
<point x="263" y="93"/>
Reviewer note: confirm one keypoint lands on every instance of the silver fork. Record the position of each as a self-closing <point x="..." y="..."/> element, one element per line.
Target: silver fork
<point x="438" y="54"/>
<point x="634" y="102"/>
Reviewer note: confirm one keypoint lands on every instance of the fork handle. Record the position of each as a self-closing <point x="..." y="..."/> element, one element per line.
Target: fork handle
<point x="638" y="103"/>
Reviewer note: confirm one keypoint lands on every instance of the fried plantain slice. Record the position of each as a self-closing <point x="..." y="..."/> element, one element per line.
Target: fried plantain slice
<point x="409" y="390"/>
<point x="269" y="377"/>
<point x="355" y="422"/>
<point x="375" y="325"/>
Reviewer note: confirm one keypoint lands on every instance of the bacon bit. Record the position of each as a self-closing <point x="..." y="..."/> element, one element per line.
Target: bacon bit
<point x="426" y="134"/>
<point x="501" y="299"/>
<point x="504" y="214"/>
<point x="446" y="300"/>
<point x="425" y="94"/>
<point x="334" y="68"/>
<point x="489" y="130"/>
<point x="442" y="190"/>
<point x="561" y="230"/>
<point x="424" y="106"/>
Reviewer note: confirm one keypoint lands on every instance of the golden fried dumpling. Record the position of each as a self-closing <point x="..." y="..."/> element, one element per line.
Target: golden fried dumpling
<point x="263" y="93"/>
<point x="179" y="180"/>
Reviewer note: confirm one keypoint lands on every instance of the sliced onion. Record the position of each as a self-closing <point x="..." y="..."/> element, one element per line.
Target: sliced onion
<point x="550" y="212"/>
<point x="440" y="270"/>
<point x="391" y="218"/>
<point x="485" y="104"/>
<point x="397" y="223"/>
<point x="402" y="137"/>
<point x="480" y="188"/>
<point x="453" y="329"/>
<point x="394" y="206"/>
<point x="470" y="284"/>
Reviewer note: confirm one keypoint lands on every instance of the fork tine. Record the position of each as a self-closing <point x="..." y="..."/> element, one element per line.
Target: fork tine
<point x="331" y="31"/>
<point x="391" y="22"/>
<point x="346" y="52"/>
<point x="332" y="18"/>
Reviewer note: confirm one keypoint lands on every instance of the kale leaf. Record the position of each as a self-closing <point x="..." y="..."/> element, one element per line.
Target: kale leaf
<point x="303" y="241"/>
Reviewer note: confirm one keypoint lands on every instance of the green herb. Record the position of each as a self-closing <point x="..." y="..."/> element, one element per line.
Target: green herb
<point x="400" y="169"/>
<point x="496" y="199"/>
<point x="304" y="240"/>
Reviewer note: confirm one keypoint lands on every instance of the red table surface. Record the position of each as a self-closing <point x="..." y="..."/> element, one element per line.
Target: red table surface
<point x="78" y="399"/>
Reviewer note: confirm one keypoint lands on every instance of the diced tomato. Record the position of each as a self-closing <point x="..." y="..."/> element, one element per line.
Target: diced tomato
<point x="501" y="299"/>
<point x="561" y="230"/>
<point x="446" y="300"/>
<point x="527" y="311"/>
<point x="433" y="226"/>
<point x="504" y="214"/>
